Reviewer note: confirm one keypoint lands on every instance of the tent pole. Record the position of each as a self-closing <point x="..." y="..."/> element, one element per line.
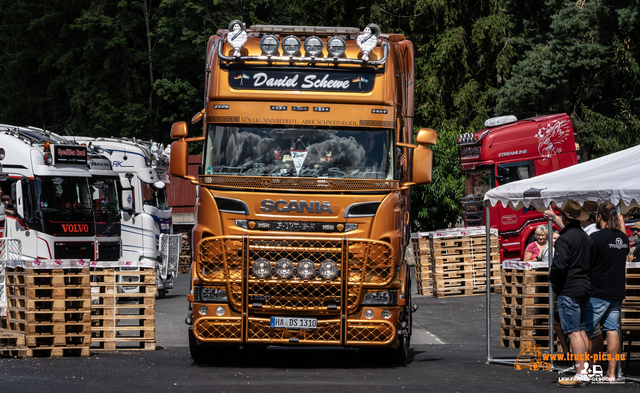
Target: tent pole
<point x="551" y="322"/>
<point x="487" y="211"/>
<point x="619" y="365"/>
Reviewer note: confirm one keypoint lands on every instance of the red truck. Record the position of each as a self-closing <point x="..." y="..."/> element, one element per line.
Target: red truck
<point x="508" y="150"/>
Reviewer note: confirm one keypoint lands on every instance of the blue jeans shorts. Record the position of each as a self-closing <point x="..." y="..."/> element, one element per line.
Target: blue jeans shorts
<point x="573" y="313"/>
<point x="605" y="312"/>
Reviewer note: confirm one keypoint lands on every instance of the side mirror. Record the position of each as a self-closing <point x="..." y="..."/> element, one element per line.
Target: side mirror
<point x="178" y="130"/>
<point x="426" y="136"/>
<point x="422" y="165"/>
<point x="179" y="159"/>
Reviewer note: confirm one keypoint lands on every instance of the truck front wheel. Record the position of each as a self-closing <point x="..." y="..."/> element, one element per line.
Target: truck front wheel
<point x="202" y="354"/>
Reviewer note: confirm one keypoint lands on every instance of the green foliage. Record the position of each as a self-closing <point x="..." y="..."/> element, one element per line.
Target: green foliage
<point x="437" y="205"/>
<point x="585" y="63"/>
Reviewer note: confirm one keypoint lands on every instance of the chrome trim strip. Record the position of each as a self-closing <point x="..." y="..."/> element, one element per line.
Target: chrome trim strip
<point x="347" y="215"/>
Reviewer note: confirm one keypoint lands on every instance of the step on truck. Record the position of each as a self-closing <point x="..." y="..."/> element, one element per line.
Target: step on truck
<point x="146" y="224"/>
<point x="302" y="209"/>
<point x="508" y="150"/>
<point x="45" y="193"/>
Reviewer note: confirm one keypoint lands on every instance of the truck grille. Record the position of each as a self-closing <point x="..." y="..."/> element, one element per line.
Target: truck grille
<point x="360" y="263"/>
<point x="298" y="183"/>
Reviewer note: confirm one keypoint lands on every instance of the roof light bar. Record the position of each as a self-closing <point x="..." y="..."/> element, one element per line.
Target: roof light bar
<point x="498" y="121"/>
<point x="304" y="29"/>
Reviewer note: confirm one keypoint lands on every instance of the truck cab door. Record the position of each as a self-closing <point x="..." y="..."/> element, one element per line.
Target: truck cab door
<point x="509" y="219"/>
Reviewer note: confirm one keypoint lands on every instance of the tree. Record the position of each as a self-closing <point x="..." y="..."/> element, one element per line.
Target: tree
<point x="585" y="63"/>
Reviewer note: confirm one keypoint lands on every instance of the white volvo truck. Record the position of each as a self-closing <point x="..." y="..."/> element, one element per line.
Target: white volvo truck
<point x="45" y="194"/>
<point x="146" y="223"/>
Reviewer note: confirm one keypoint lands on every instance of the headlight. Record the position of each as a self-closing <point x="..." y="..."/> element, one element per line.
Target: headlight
<point x="313" y="46"/>
<point x="213" y="295"/>
<point x="261" y="268"/>
<point x="284" y="268"/>
<point x="329" y="269"/>
<point x="336" y="47"/>
<point x="269" y="45"/>
<point x="381" y="298"/>
<point x="306" y="269"/>
<point x="291" y="45"/>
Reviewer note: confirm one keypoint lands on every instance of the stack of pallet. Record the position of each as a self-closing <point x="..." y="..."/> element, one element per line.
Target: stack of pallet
<point x="422" y="258"/>
<point x="631" y="310"/>
<point x="459" y="262"/>
<point x="48" y="310"/>
<point x="122" y="307"/>
<point x="525" y="304"/>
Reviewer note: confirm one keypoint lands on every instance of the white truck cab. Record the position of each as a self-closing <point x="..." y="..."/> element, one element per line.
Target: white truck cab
<point x="146" y="223"/>
<point x="45" y="193"/>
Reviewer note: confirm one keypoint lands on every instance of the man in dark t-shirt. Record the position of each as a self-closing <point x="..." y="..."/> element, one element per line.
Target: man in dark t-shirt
<point x="570" y="278"/>
<point x="609" y="251"/>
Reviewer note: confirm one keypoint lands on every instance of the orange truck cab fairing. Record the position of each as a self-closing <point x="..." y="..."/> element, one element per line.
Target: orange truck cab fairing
<point x="302" y="210"/>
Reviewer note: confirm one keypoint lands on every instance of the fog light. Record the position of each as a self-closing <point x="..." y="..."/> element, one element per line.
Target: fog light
<point x="291" y="45"/>
<point x="284" y="268"/>
<point x="306" y="269"/>
<point x="269" y="45"/>
<point x="368" y="313"/>
<point x="261" y="268"/>
<point x="336" y="47"/>
<point x="329" y="269"/>
<point x="386" y="314"/>
<point x="313" y="46"/>
<point x="220" y="311"/>
<point x="203" y="310"/>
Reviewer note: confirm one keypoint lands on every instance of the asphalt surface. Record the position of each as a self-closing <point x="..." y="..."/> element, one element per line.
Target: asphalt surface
<point x="448" y="353"/>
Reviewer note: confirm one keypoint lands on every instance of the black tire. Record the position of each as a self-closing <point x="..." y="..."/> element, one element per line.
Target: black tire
<point x="206" y="353"/>
<point x="199" y="353"/>
<point x="161" y="293"/>
<point x="400" y="355"/>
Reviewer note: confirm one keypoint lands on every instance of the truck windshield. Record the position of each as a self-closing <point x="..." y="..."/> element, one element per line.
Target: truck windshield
<point x="104" y="194"/>
<point x="298" y="152"/>
<point x="155" y="197"/>
<point x="477" y="182"/>
<point x="59" y="193"/>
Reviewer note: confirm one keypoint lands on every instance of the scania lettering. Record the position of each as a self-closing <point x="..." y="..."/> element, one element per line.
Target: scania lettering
<point x="45" y="188"/>
<point x="284" y="206"/>
<point x="302" y="204"/>
<point x="508" y="150"/>
<point x="145" y="217"/>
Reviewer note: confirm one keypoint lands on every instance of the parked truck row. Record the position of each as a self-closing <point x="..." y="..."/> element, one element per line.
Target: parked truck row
<point x="75" y="198"/>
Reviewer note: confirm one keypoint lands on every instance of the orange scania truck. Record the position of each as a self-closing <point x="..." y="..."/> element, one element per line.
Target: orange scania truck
<point x="302" y="208"/>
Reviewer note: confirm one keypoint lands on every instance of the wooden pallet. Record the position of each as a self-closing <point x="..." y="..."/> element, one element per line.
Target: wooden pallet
<point x="122" y="320"/>
<point x="51" y="307"/>
<point x="423" y="266"/>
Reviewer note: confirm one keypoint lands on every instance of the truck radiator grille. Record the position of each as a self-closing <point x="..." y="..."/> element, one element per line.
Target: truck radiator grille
<point x="218" y="329"/>
<point x="366" y="332"/>
<point x="358" y="264"/>
<point x="259" y="330"/>
<point x="300" y="183"/>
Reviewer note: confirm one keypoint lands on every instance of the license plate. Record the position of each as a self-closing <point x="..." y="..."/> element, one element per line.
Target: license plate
<point x="294" y="323"/>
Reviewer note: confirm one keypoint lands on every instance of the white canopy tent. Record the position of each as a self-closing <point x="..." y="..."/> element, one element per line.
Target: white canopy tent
<point x="614" y="178"/>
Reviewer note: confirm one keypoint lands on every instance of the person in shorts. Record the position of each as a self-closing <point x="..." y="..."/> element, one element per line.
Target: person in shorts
<point x="570" y="277"/>
<point x="609" y="251"/>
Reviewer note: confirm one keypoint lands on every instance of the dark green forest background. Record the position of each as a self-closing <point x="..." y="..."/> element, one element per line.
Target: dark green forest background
<point x="132" y="68"/>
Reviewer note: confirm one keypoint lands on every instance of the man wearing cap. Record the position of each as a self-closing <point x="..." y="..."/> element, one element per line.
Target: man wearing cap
<point x="610" y="247"/>
<point x="634" y="252"/>
<point x="570" y="277"/>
